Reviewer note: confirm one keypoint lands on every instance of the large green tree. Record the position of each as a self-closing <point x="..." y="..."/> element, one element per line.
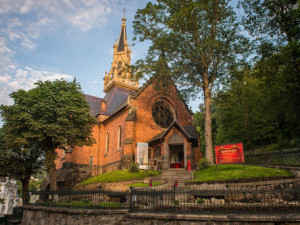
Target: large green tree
<point x="193" y="42"/>
<point x="275" y="20"/>
<point x="51" y="115"/>
<point x="19" y="163"/>
<point x="275" y="28"/>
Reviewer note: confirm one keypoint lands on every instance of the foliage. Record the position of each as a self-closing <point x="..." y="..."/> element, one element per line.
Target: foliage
<point x="119" y="175"/>
<point x="200" y="201"/>
<point x="176" y="202"/>
<point x="19" y="162"/>
<point x="134" y="168"/>
<point x="142" y="184"/>
<point x="51" y="115"/>
<point x="229" y="172"/>
<point x="258" y="104"/>
<point x="277" y="20"/>
<point x="192" y="44"/>
<point x="203" y="164"/>
<point x="34" y="185"/>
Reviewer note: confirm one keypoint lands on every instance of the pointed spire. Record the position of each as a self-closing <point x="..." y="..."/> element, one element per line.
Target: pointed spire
<point x="119" y="75"/>
<point x="123" y="37"/>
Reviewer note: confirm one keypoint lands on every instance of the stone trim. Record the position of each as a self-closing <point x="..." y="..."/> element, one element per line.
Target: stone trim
<point x="38" y="214"/>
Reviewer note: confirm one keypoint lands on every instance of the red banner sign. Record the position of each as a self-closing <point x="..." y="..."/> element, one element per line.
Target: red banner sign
<point x="229" y="153"/>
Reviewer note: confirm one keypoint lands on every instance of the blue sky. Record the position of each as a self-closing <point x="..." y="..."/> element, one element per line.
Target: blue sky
<point x="53" y="39"/>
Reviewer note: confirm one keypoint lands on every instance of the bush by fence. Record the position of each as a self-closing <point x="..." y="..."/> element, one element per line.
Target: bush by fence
<point x="290" y="157"/>
<point x="81" y="199"/>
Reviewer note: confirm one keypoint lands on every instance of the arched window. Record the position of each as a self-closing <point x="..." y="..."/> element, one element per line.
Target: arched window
<point x="107" y="143"/>
<point x="120" y="137"/>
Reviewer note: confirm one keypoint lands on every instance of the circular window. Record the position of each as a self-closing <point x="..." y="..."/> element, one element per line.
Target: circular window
<point x="162" y="114"/>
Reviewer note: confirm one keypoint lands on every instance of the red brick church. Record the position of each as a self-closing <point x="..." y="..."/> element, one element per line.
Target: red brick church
<point x="134" y="124"/>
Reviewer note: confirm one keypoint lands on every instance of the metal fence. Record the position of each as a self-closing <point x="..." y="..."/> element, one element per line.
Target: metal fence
<point x="255" y="198"/>
<point x="81" y="199"/>
<point x="290" y="157"/>
<point x="188" y="199"/>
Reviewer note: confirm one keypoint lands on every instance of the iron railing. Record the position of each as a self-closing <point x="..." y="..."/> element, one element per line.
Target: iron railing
<point x="81" y="199"/>
<point x="290" y="157"/>
<point x="255" y="198"/>
<point x="187" y="199"/>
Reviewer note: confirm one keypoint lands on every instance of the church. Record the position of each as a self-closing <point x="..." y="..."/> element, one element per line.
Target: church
<point x="135" y="124"/>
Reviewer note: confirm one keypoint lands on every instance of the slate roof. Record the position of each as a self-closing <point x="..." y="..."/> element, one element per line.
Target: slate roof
<point x="94" y="103"/>
<point x="115" y="99"/>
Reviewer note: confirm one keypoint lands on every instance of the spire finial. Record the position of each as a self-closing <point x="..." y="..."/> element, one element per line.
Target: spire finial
<point x="123" y="19"/>
<point x="124" y="11"/>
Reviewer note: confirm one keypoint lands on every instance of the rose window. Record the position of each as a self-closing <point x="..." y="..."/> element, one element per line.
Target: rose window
<point x="162" y="114"/>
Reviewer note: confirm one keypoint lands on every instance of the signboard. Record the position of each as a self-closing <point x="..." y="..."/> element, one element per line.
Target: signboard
<point x="142" y="155"/>
<point x="229" y="154"/>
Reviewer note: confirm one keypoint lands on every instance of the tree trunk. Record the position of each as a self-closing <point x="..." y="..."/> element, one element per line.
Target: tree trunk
<point x="25" y="187"/>
<point x="207" y="123"/>
<point x="51" y="168"/>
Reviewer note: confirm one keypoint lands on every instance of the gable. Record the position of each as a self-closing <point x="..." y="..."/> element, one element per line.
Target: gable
<point x="151" y="82"/>
<point x="187" y="131"/>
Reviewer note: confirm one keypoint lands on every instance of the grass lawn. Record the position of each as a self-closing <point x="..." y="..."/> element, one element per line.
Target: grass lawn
<point x="141" y="184"/>
<point x="230" y="171"/>
<point x="119" y="175"/>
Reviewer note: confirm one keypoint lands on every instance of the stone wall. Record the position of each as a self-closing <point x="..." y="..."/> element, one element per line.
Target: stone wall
<point x="55" y="216"/>
<point x="71" y="174"/>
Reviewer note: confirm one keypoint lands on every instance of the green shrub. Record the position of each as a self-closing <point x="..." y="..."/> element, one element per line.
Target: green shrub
<point x="271" y="148"/>
<point x="200" y="201"/>
<point x="203" y="164"/>
<point x="176" y="202"/>
<point x="134" y="168"/>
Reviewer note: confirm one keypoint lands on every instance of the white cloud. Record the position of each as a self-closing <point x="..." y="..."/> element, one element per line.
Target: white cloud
<point x="25" y="79"/>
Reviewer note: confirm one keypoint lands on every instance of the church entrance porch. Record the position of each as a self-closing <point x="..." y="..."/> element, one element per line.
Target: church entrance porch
<point x="176" y="156"/>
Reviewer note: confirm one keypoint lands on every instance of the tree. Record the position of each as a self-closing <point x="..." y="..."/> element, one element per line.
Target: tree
<point x="19" y="163"/>
<point x="275" y="26"/>
<point x="243" y="111"/>
<point x="51" y="115"/>
<point x="272" y="19"/>
<point x="196" y="40"/>
<point x="199" y="122"/>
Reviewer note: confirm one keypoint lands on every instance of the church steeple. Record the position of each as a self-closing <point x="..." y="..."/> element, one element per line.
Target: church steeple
<point x="123" y="38"/>
<point x="119" y="74"/>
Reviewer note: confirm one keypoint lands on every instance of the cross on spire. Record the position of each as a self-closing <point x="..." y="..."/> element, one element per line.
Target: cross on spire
<point x="124" y="11"/>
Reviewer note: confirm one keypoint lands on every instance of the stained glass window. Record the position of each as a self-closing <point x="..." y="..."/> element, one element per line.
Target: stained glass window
<point x="162" y="114"/>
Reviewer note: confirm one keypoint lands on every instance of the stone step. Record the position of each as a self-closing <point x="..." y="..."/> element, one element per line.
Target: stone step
<point x="170" y="175"/>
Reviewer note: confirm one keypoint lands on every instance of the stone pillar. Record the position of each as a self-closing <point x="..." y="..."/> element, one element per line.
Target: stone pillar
<point x="166" y="156"/>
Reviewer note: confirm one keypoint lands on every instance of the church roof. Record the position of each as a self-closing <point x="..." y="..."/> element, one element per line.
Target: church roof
<point x="115" y="99"/>
<point x="94" y="103"/>
<point x="189" y="131"/>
